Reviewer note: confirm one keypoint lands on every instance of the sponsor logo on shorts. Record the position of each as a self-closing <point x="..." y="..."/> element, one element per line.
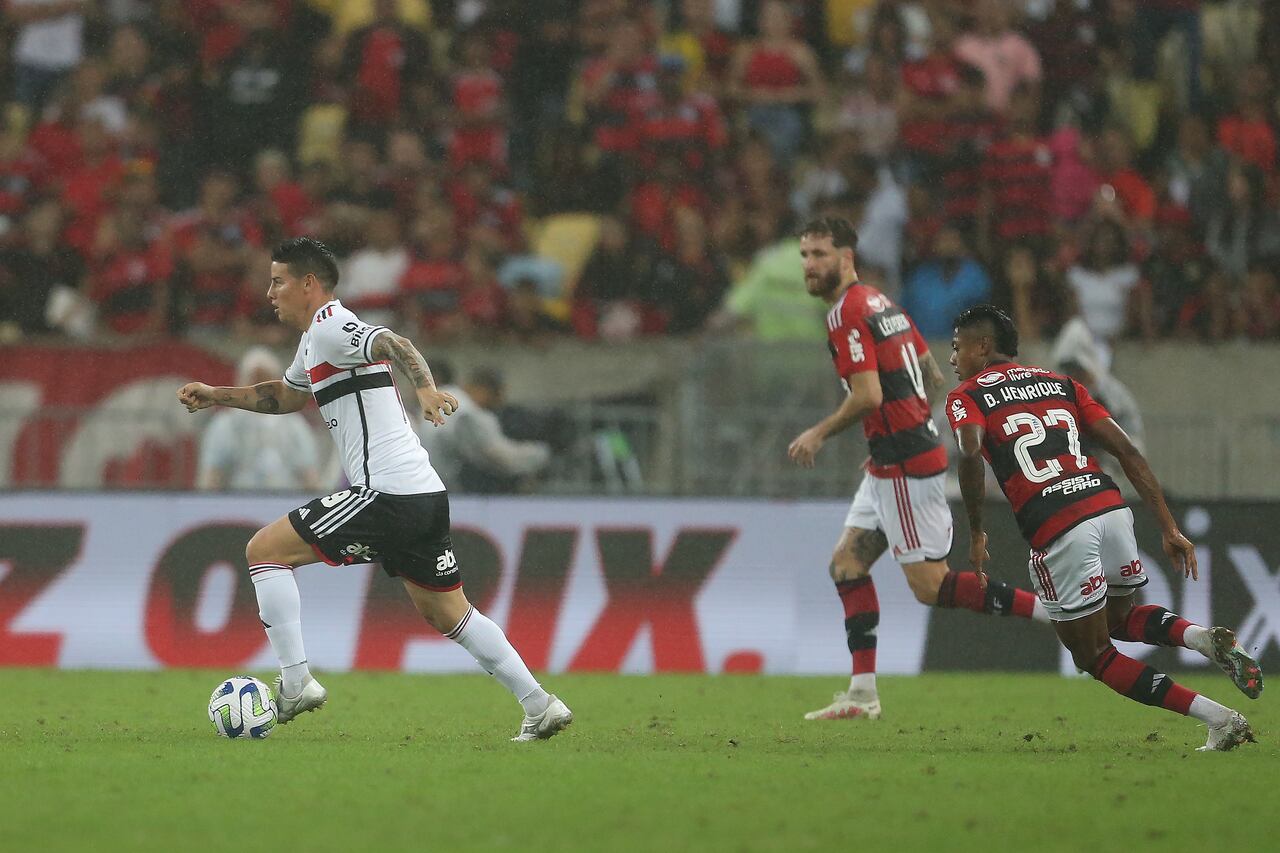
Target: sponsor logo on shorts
<point x="358" y="551"/>
<point x="1092" y="585"/>
<point x="446" y="563"/>
<point x="1072" y="485"/>
<point x="1131" y="570"/>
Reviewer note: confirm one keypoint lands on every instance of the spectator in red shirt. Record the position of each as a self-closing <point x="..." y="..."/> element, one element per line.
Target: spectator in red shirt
<point x="618" y="87"/>
<point x="87" y="189"/>
<point x="214" y="246"/>
<point x="384" y="61"/>
<point x="129" y="277"/>
<point x="1133" y="194"/>
<point x="687" y="125"/>
<point x="969" y="129"/>
<point x="434" y="281"/>
<point x="654" y="202"/>
<point x="486" y="211"/>
<point x="1016" y="175"/>
<point x="777" y="78"/>
<point x="280" y="203"/>
<point x="1249" y="133"/>
<point x="479" y="108"/>
<point x="927" y="87"/>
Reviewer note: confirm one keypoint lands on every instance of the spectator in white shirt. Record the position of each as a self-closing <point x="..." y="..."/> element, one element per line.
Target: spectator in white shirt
<point x="1104" y="282"/>
<point x="473" y="440"/>
<point x="245" y="452"/>
<point x="49" y="43"/>
<point x="371" y="281"/>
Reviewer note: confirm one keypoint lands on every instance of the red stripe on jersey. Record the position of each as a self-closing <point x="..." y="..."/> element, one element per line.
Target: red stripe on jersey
<point x="906" y="518"/>
<point x="324" y="370"/>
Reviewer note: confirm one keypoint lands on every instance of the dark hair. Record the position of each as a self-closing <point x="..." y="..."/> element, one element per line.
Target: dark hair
<point x="841" y="231"/>
<point x="306" y="255"/>
<point x="1002" y="327"/>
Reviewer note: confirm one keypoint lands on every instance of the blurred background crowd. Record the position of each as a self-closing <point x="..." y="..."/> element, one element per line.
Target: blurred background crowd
<point x="606" y="169"/>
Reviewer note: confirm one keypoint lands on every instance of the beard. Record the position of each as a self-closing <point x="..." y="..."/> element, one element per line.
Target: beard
<point x="823" y="284"/>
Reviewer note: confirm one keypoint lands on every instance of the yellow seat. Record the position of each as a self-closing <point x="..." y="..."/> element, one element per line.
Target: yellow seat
<point x="568" y="239"/>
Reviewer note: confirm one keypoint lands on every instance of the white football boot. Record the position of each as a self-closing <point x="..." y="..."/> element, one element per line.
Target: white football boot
<point x="555" y="719"/>
<point x="1229" y="735"/>
<point x="847" y="706"/>
<point x="311" y="697"/>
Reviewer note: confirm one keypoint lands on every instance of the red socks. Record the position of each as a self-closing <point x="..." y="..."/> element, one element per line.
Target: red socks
<point x="961" y="589"/>
<point x="861" y="617"/>
<point x="1140" y="682"/>
<point x="1153" y="625"/>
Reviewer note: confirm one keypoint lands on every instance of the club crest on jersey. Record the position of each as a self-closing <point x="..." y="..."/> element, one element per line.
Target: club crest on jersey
<point x="986" y="380"/>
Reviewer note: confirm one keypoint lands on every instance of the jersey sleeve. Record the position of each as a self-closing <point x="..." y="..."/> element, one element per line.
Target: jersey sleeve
<point x="346" y="344"/>
<point x="1091" y="411"/>
<point x="962" y="410"/>
<point x="295" y="375"/>
<point x="855" y="349"/>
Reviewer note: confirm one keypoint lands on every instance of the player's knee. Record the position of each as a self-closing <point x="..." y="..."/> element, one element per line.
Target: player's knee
<point x="845" y="568"/>
<point x="1085" y="653"/>
<point x="257" y="551"/>
<point x="925" y="589"/>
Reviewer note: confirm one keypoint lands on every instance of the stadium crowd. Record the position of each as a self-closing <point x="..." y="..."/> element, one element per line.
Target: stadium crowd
<point x="505" y="170"/>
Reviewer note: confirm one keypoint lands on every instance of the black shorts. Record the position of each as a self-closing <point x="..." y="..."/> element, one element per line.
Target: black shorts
<point x="407" y="534"/>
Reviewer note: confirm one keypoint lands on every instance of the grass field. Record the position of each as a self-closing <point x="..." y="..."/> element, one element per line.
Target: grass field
<point x="128" y="761"/>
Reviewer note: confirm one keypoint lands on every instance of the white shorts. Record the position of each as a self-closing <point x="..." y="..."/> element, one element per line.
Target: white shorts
<point x="912" y="512"/>
<point x="1095" y="559"/>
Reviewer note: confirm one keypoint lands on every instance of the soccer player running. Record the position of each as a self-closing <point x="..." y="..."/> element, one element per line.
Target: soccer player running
<point x="888" y="372"/>
<point x="396" y="511"/>
<point x="1028" y="423"/>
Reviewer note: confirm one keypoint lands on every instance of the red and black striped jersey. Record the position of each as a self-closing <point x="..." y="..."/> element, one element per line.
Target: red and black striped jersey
<point x="1033" y="419"/>
<point x="866" y="331"/>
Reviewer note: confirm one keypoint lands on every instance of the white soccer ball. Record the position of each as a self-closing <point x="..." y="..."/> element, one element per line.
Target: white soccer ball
<point x="242" y="706"/>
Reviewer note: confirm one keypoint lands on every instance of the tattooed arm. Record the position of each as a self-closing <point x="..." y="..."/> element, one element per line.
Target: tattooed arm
<point x="270" y="398"/>
<point x="400" y="351"/>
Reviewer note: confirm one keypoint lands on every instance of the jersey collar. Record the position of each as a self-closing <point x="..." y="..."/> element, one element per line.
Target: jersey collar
<point x="326" y="311"/>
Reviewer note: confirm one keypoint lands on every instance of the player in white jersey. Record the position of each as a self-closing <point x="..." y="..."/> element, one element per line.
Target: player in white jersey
<point x="396" y="511"/>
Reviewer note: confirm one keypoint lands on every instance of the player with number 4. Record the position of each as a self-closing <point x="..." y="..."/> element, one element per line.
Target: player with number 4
<point x="1026" y="422"/>
<point x="901" y="505"/>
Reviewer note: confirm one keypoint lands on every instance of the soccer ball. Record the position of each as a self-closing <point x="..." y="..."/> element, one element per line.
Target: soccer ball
<point x="242" y="706"/>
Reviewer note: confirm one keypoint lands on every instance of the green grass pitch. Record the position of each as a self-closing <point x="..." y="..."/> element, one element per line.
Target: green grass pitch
<point x="129" y="762"/>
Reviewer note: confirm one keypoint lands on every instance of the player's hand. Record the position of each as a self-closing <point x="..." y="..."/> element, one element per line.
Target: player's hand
<point x="1182" y="553"/>
<point x="195" y="396"/>
<point x="978" y="556"/>
<point x="806" y="447"/>
<point x="437" y="405"/>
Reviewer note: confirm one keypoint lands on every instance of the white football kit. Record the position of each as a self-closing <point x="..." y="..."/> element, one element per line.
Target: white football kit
<point x="360" y="405"/>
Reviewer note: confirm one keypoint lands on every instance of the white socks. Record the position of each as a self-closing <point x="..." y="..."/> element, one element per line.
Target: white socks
<point x="1197" y="638"/>
<point x="479" y="635"/>
<point x="863" y="685"/>
<point x="1038" y="613"/>
<point x="1208" y="711"/>
<point x="281" y="612"/>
